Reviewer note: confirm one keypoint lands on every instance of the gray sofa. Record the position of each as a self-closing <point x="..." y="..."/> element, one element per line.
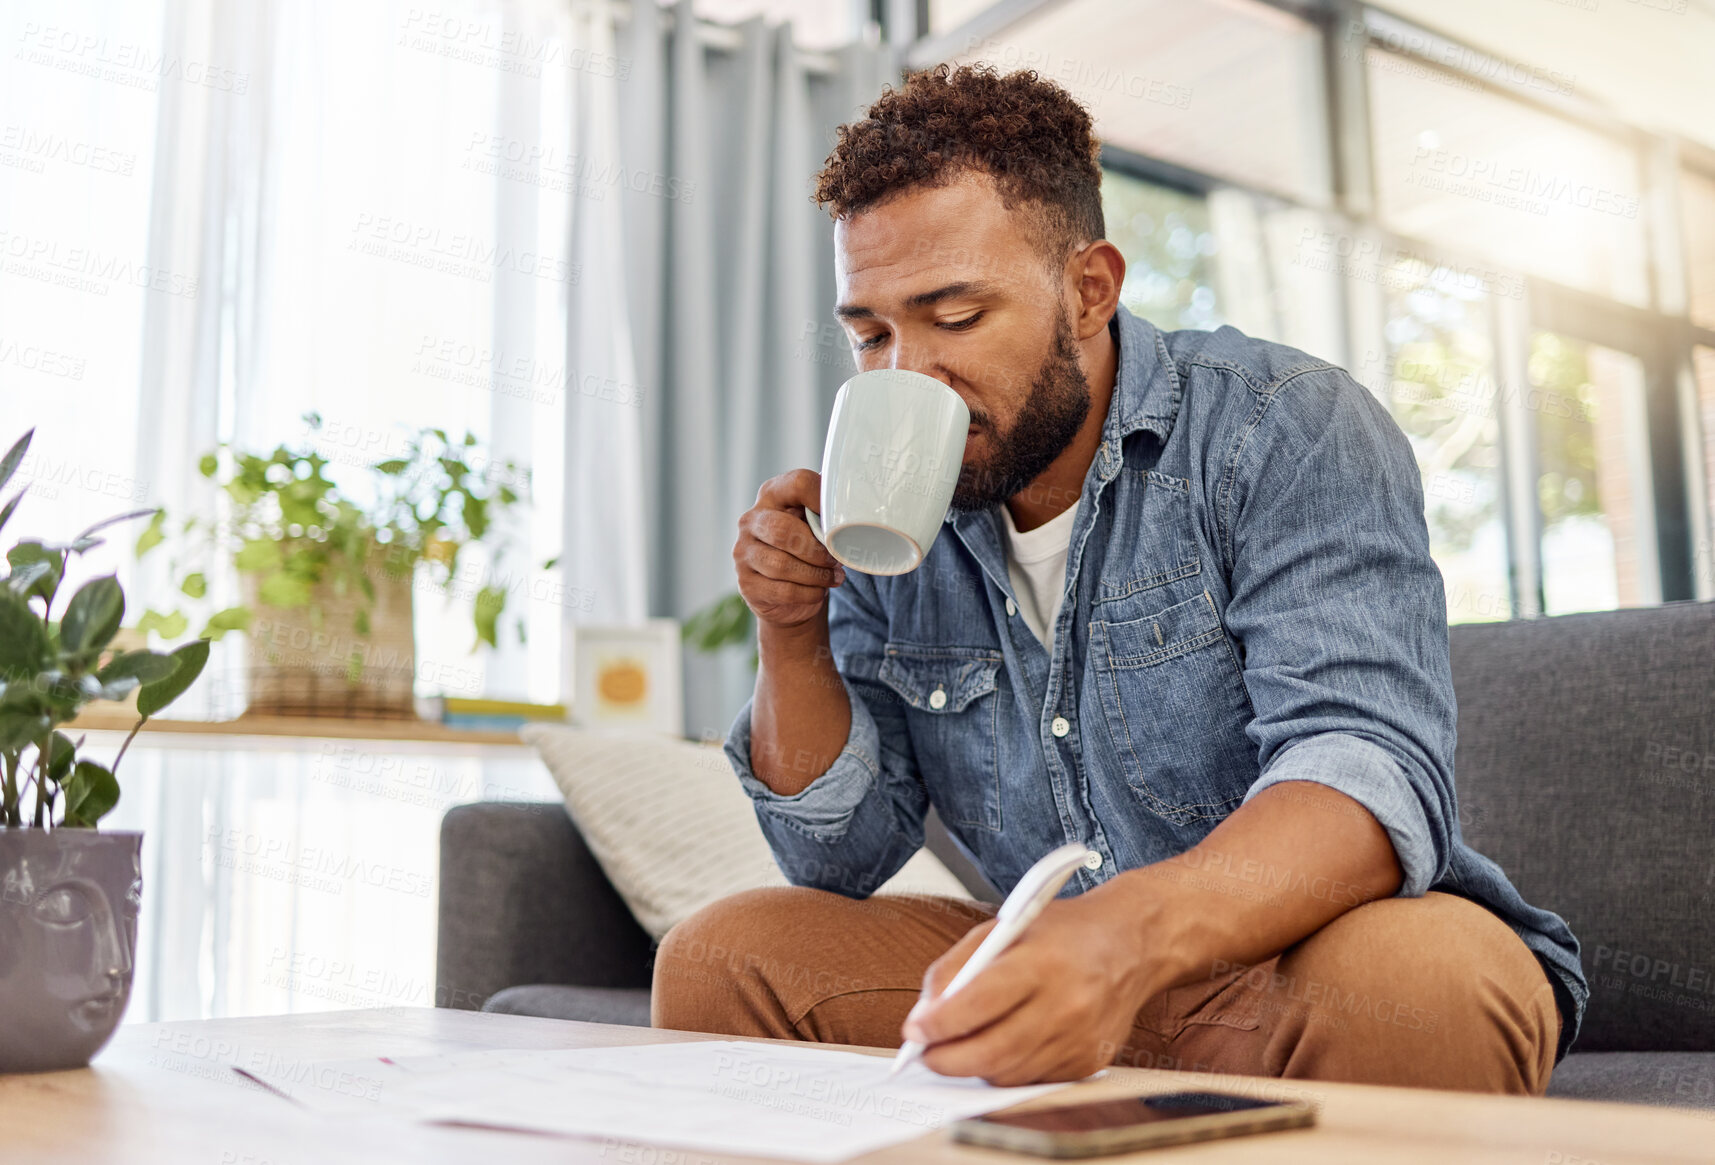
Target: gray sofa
<point x="1586" y="768"/>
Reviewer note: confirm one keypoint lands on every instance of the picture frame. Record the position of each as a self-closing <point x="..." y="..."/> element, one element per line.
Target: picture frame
<point x="628" y="676"/>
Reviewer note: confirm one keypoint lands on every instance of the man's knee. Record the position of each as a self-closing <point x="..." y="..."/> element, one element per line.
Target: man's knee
<point x="1434" y="991"/>
<point x="702" y="958"/>
<point x="721" y="968"/>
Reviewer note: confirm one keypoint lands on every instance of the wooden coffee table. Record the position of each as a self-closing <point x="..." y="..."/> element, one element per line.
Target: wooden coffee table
<point x="163" y="1094"/>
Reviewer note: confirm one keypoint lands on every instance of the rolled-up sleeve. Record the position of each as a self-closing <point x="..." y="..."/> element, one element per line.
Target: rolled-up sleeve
<point x="1340" y="614"/>
<point x="853" y="826"/>
<point x="1368" y="775"/>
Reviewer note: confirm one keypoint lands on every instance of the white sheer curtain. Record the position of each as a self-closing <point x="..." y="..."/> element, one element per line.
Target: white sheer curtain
<point x="386" y="234"/>
<point x="217" y="217"/>
<point x="76" y="154"/>
<point x="394" y="215"/>
<point x="604" y="518"/>
<point x="381" y="220"/>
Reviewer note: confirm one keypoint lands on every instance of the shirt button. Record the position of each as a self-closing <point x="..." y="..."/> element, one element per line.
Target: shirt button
<point x="1060" y="726"/>
<point x="1011" y="607"/>
<point x="938" y="699"/>
<point x="1094" y="861"/>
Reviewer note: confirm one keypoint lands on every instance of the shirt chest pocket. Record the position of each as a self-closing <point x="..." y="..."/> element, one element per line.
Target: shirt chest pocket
<point x="1175" y="708"/>
<point x="952" y="698"/>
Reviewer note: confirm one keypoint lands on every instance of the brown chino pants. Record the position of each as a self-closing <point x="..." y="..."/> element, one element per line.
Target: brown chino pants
<point x="1431" y="992"/>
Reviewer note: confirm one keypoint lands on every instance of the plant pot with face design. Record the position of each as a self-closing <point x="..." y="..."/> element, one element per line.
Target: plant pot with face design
<point x="68" y="894"/>
<point x="68" y="934"/>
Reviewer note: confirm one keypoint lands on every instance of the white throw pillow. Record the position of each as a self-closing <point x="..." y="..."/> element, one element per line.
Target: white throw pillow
<point x="671" y="826"/>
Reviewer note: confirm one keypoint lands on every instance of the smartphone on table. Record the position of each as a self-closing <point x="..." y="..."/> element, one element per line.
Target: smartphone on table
<point x="1131" y="1122"/>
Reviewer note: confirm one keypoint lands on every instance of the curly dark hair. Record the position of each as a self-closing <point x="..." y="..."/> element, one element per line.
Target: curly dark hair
<point x="1027" y="133"/>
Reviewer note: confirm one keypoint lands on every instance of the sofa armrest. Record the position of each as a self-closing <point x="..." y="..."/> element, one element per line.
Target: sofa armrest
<point x="522" y="900"/>
<point x="938" y="841"/>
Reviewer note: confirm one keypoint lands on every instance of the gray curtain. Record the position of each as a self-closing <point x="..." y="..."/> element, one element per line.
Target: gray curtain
<point x="731" y="294"/>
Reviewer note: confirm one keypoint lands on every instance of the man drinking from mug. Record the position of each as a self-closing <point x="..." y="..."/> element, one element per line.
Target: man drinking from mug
<point x="1182" y="611"/>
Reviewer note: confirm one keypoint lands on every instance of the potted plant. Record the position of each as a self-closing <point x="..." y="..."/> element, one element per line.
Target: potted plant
<point x="722" y="623"/>
<point x="327" y="582"/>
<point x="68" y="893"/>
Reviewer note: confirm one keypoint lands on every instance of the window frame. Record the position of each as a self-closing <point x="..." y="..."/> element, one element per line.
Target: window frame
<point x="1661" y="334"/>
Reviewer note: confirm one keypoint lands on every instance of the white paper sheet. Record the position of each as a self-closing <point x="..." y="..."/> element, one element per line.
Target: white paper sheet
<point x="805" y="1103"/>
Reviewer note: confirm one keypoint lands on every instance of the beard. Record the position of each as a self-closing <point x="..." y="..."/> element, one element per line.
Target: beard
<point x="1051" y="416"/>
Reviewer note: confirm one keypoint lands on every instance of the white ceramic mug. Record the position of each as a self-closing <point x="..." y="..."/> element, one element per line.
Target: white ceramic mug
<point x="896" y="441"/>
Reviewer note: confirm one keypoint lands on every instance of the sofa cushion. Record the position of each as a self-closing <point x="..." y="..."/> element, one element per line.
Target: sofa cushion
<point x="1586" y="769"/>
<point x="1676" y="1079"/>
<point x="622" y="1005"/>
<point x="671" y="826"/>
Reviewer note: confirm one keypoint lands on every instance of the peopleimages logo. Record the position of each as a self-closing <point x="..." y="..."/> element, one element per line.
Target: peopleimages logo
<point x="29" y="149"/>
<point x="35" y="358"/>
<point x="453" y="252"/>
<point x="121" y="62"/>
<point x="553" y="168"/>
<point x="1488" y="177"/>
<point x="84" y="269"/>
<point x="311" y="867"/>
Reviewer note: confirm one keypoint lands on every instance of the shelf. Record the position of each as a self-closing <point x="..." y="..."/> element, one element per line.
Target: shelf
<point x="252" y="731"/>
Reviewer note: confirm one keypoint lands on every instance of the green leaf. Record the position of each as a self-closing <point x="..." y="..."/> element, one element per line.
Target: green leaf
<point x="60" y="757"/>
<point x="24" y="646"/>
<point x="231" y="619"/>
<point x="208" y="465"/>
<point x="14" y="457"/>
<point x="20" y="728"/>
<point x="75" y="546"/>
<point x="168" y="626"/>
<point x="25" y="553"/>
<point x="490" y="601"/>
<point x="91" y="792"/>
<point x="152" y="535"/>
<point x="24" y="578"/>
<point x="723" y="622"/>
<point x="93" y="615"/>
<point x="282" y="590"/>
<point x="192" y="658"/>
<point x="195" y="585"/>
<point x="258" y="554"/>
<point x="11" y="507"/>
<point x="106" y="522"/>
<point x="475" y="516"/>
<point x="393" y="467"/>
<point x="361" y="622"/>
<point x="117" y="690"/>
<point x="145" y="666"/>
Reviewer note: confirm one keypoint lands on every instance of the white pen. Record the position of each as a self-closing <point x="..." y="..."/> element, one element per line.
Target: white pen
<point x="1035" y="890"/>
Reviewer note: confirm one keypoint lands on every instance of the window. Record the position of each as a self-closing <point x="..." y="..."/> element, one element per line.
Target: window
<point x="75" y="279"/>
<point x="1473" y="171"/>
<point x="1592" y="477"/>
<point x="1443" y="392"/>
<point x="1168" y="246"/>
<point x="1703" y="541"/>
<point x="1229" y="87"/>
<point x="946" y="15"/>
<point x="1697" y="198"/>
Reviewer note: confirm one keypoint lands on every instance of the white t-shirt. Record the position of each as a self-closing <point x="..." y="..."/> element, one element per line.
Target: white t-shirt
<point x="1036" y="564"/>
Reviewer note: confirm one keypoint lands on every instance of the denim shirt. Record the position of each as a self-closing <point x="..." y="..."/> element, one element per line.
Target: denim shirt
<point x="1249" y="599"/>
